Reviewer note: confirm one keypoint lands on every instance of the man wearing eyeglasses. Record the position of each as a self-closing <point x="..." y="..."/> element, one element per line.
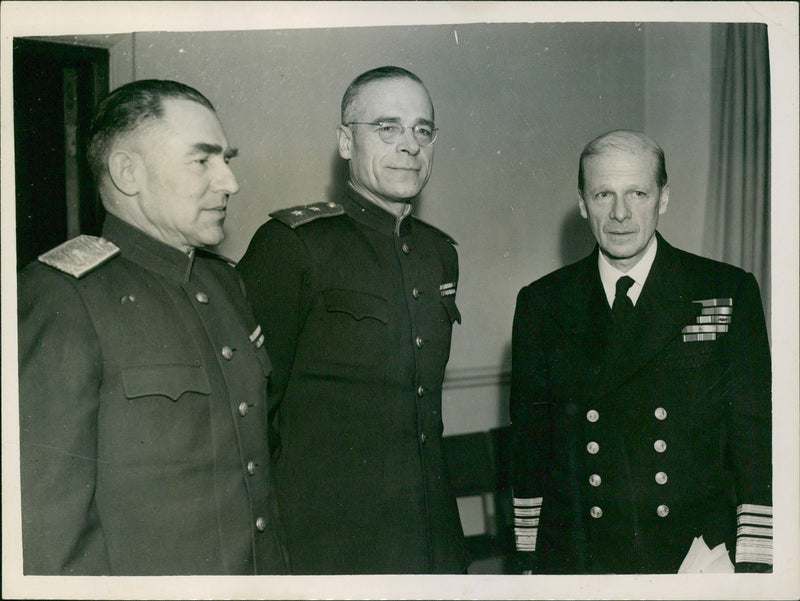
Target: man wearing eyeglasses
<point x="357" y="298"/>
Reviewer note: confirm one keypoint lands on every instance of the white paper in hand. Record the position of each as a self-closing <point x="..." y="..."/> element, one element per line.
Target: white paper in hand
<point x="702" y="560"/>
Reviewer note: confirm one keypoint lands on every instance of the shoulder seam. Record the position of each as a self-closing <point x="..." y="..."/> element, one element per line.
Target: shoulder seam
<point x="444" y="234"/>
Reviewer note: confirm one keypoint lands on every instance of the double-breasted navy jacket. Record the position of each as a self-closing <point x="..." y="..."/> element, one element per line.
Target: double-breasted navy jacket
<point x="358" y="313"/>
<point x="623" y="456"/>
<point x="143" y="417"/>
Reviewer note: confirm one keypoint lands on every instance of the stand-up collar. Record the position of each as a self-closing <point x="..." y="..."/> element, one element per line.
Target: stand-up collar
<point x="368" y="213"/>
<point x="148" y="252"/>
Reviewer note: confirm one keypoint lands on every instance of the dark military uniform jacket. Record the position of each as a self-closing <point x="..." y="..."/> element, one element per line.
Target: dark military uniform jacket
<point x="143" y="417"/>
<point x="624" y="455"/>
<point x="358" y="313"/>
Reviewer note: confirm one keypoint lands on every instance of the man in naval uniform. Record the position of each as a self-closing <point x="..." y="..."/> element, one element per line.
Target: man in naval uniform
<point x="357" y="300"/>
<point x="142" y="371"/>
<point x="640" y="394"/>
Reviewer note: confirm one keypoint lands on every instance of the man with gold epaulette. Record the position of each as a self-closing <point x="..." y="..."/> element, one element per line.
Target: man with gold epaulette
<point x="640" y="394"/>
<point x="142" y="371"/>
<point x="357" y="300"/>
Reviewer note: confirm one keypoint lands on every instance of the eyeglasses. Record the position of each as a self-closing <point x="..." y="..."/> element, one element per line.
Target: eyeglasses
<point x="390" y="131"/>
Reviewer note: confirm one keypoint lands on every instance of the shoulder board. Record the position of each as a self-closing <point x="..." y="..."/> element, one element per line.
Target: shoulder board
<point x="80" y="255"/>
<point x="299" y="215"/>
<point x="209" y="254"/>
<point x="445" y="235"/>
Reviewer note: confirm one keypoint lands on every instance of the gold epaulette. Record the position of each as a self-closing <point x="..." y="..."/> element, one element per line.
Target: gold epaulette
<point x="299" y="215"/>
<point x="80" y="255"/>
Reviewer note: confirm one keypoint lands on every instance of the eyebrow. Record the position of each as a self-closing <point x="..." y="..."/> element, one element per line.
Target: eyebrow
<point x="206" y="148"/>
<point x="398" y="120"/>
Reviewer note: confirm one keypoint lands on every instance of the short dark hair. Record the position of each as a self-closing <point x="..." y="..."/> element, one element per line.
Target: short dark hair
<point x="388" y="72"/>
<point x="627" y="140"/>
<point x="127" y="108"/>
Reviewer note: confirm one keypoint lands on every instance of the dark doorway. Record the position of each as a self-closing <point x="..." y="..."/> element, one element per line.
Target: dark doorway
<point x="56" y="87"/>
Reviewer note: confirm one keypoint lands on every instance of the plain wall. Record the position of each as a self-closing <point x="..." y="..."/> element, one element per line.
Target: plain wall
<point x="515" y="103"/>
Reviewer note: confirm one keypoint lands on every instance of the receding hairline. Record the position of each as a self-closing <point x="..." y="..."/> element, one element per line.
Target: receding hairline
<point x="621" y="139"/>
<point x="627" y="141"/>
<point x="356" y="90"/>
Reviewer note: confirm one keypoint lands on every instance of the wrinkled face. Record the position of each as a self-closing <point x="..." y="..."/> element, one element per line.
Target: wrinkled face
<point x="622" y="201"/>
<point x="186" y="180"/>
<point x="396" y="171"/>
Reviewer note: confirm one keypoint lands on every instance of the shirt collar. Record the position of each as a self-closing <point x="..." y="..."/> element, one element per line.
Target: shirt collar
<point x="148" y="252"/>
<point x="639" y="272"/>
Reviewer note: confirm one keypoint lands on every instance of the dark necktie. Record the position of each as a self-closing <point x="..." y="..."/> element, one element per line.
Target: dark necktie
<point x="623" y="306"/>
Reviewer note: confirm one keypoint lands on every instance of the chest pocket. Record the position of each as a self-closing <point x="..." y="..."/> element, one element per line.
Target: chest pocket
<point x="358" y="305"/>
<point x="169" y="380"/>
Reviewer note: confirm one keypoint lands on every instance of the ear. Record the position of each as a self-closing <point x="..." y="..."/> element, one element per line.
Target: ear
<point x="582" y="206"/>
<point x="345" y="136"/>
<point x="662" y="206"/>
<point x="123" y="172"/>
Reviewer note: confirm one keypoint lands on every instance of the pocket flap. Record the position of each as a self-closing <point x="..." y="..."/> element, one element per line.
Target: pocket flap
<point x="358" y="305"/>
<point x="169" y="380"/>
<point x="449" y="303"/>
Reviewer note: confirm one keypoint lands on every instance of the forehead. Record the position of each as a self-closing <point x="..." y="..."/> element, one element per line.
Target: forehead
<point x="397" y="97"/>
<point x="611" y="163"/>
<point x="187" y="121"/>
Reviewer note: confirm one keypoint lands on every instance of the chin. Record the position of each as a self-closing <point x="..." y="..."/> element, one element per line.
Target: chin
<point x="212" y="239"/>
<point x="404" y="195"/>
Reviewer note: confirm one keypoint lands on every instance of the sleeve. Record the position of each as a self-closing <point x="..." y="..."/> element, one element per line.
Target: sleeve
<point x="748" y="395"/>
<point x="276" y="269"/>
<point x="530" y="409"/>
<point x="60" y="370"/>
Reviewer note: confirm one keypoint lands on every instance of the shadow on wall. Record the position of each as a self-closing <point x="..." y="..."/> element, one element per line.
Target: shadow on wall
<point x="577" y="240"/>
<point x="339" y="175"/>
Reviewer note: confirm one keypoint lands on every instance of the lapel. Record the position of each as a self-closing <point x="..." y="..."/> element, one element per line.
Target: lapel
<point x="662" y="310"/>
<point x="585" y="319"/>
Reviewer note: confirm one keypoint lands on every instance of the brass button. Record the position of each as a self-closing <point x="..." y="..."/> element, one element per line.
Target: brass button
<point x="596" y="512"/>
<point x="261" y="524"/>
<point x="415" y="293"/>
<point x="227" y="352"/>
<point x="251" y="467"/>
<point x="660" y="446"/>
<point x="661" y="478"/>
<point x="201" y="297"/>
<point x="593" y="447"/>
<point x="423" y="438"/>
<point x="405" y="248"/>
<point x="595" y="480"/>
<point x="243" y="408"/>
<point x="421" y="391"/>
<point x="592" y="415"/>
<point x="662" y="511"/>
<point x="419" y="342"/>
<point x="661" y="414"/>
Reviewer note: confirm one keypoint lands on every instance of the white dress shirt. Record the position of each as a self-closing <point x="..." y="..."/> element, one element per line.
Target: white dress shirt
<point x="639" y="272"/>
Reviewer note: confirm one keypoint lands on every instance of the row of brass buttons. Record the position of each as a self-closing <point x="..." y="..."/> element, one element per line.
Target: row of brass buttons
<point x="659" y="445"/>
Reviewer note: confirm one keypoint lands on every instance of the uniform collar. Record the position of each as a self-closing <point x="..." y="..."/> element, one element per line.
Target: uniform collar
<point x="148" y="252"/>
<point x="368" y="213"/>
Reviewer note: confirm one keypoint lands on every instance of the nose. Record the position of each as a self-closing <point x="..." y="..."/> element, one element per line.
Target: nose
<point x="225" y="181"/>
<point x="408" y="143"/>
<point x="619" y="208"/>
